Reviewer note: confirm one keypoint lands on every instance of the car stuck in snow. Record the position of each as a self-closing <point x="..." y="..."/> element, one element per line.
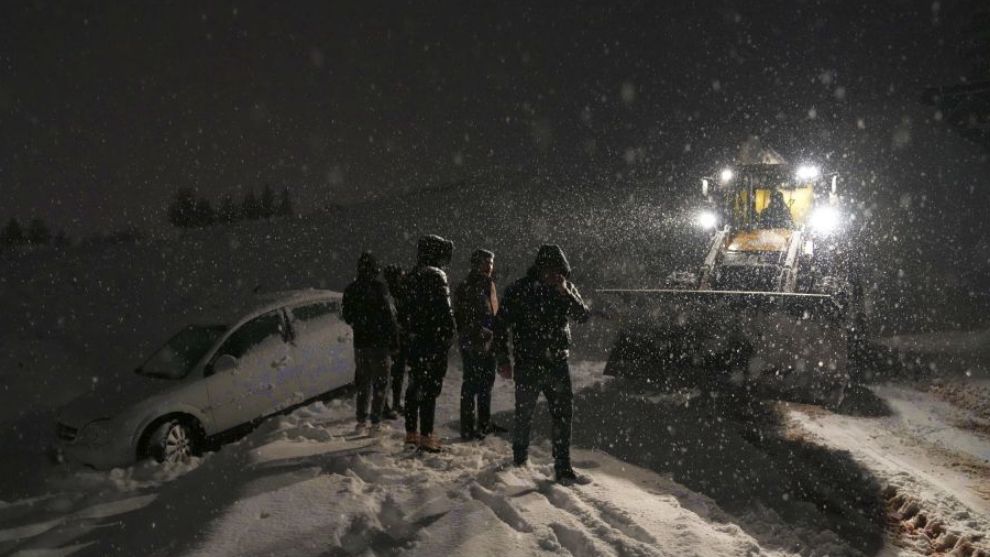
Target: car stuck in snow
<point x="287" y="348"/>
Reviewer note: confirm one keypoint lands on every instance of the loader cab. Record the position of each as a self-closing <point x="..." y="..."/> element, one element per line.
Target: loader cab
<point x="766" y="211"/>
<point x="766" y="196"/>
<point x="769" y="196"/>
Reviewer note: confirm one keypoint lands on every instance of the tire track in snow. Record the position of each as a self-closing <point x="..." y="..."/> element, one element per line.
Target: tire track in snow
<point x="622" y="543"/>
<point x="929" y="533"/>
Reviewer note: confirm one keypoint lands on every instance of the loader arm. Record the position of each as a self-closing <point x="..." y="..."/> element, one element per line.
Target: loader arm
<point x="711" y="260"/>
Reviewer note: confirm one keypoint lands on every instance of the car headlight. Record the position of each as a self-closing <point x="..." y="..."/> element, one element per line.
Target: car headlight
<point x="825" y="220"/>
<point x="95" y="433"/>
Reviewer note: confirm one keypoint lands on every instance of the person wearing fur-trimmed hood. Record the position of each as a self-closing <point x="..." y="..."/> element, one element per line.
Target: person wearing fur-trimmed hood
<point x="430" y="327"/>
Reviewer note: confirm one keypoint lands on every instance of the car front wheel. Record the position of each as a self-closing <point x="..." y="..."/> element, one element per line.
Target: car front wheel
<point x="173" y="441"/>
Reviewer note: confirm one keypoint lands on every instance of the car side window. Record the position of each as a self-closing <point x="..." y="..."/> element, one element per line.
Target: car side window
<point x="252" y="334"/>
<point x="313" y="311"/>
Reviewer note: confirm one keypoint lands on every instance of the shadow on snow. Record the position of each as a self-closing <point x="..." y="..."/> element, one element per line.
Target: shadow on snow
<point x="733" y="448"/>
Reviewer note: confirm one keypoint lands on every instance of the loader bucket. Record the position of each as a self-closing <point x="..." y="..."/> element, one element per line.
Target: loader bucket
<point x="790" y="345"/>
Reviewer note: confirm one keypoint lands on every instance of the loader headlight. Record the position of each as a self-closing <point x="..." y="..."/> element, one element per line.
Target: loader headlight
<point x="825" y="220"/>
<point x="707" y="220"/>
<point x="726" y="175"/>
<point x="807" y="172"/>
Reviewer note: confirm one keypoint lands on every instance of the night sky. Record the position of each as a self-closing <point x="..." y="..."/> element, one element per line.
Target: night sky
<point x="108" y="107"/>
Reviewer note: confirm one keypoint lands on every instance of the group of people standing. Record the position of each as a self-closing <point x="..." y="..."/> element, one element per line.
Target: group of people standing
<point x="412" y="321"/>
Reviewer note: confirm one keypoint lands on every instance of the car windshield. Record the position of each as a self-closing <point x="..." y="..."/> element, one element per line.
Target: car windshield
<point x="181" y="352"/>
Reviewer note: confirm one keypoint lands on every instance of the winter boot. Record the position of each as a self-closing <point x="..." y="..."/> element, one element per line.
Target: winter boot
<point x="568" y="477"/>
<point x="412" y="439"/>
<point x="430" y="443"/>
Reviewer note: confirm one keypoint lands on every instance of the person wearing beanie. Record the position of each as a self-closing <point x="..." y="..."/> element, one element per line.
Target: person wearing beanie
<point x="368" y="309"/>
<point x="430" y="329"/>
<point x="535" y="311"/>
<point x="475" y="307"/>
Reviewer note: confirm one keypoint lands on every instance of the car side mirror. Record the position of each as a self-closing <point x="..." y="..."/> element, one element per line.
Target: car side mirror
<point x="225" y="363"/>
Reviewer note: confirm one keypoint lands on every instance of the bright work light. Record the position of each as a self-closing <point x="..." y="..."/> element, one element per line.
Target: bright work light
<point x="807" y="172"/>
<point x="707" y="220"/>
<point x="825" y="220"/>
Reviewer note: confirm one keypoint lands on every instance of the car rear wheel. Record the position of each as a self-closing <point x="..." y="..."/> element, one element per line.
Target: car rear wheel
<point x="173" y="441"/>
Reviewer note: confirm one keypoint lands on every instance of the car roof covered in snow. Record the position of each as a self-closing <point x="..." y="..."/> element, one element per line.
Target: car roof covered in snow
<point x="268" y="301"/>
<point x="256" y="304"/>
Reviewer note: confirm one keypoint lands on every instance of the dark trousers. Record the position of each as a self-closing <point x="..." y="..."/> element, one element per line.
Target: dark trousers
<point x="554" y="381"/>
<point x="370" y="377"/>
<point x="426" y="371"/>
<point x="479" y="377"/>
<point x="398" y="376"/>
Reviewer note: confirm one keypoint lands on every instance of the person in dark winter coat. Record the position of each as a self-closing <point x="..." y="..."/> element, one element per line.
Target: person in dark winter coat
<point x="535" y="311"/>
<point x="475" y="307"/>
<point x="394" y="277"/>
<point x="367" y="308"/>
<point x="776" y="214"/>
<point x="430" y="326"/>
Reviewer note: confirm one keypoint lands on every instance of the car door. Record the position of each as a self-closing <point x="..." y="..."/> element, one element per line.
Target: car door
<point x="321" y="346"/>
<point x="247" y="391"/>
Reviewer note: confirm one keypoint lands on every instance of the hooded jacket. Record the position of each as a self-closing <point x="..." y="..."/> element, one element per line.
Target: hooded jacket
<point x="368" y="309"/>
<point x="429" y="316"/>
<point x="536" y="315"/>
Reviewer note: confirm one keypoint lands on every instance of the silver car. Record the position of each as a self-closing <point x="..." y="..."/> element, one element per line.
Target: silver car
<point x="209" y="378"/>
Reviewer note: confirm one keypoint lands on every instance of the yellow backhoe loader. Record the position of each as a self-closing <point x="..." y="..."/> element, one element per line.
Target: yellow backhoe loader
<point x="769" y="304"/>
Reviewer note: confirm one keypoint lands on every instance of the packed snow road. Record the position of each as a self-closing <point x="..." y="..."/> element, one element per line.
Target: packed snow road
<point x="933" y="458"/>
<point x="673" y="474"/>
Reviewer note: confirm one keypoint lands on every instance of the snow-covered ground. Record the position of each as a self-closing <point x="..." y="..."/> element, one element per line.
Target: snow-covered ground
<point x="673" y="474"/>
<point x="305" y="484"/>
<point x="936" y="469"/>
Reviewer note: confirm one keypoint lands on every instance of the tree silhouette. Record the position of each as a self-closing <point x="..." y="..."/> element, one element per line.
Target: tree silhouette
<point x="38" y="233"/>
<point x="203" y="213"/>
<point x="182" y="211"/>
<point x="285" y="204"/>
<point x="12" y="234"/>
<point x="227" y="213"/>
<point x="250" y="208"/>
<point x="267" y="202"/>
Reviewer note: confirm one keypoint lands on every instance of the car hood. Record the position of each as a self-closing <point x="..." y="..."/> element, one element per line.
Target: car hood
<point x="111" y="396"/>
